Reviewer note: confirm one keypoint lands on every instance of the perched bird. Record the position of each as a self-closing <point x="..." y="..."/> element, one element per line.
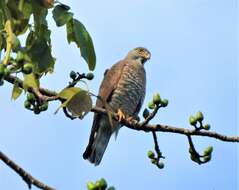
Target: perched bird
<point x="123" y="90"/>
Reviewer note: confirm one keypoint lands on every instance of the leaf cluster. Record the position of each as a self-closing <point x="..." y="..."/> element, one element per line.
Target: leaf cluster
<point x="32" y="58"/>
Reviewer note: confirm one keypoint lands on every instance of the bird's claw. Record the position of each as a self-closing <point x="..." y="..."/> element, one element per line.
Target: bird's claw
<point x="133" y="119"/>
<point x="120" y="115"/>
<point x="130" y="119"/>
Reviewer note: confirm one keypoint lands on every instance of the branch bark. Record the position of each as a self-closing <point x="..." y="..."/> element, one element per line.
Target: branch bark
<point x="30" y="180"/>
<point x="133" y="124"/>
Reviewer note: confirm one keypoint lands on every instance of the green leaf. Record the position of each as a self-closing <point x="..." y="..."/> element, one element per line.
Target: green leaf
<point x="61" y="15"/>
<point x="40" y="53"/>
<point x="1" y="20"/>
<point x="16" y="91"/>
<point x="78" y="102"/>
<point x="76" y="32"/>
<point x="26" y="9"/>
<point x="30" y="81"/>
<point x="39" y="14"/>
<point x="2" y="24"/>
<point x="66" y="7"/>
<point x="68" y="93"/>
<point x="20" y="13"/>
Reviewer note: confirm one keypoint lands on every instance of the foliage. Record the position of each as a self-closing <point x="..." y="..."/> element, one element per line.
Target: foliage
<point x="33" y="59"/>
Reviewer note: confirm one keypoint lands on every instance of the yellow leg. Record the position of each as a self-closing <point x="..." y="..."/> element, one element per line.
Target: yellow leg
<point x="120" y="115"/>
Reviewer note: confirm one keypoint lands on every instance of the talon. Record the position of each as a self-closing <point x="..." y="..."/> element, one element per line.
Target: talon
<point x="133" y="119"/>
<point x="120" y="115"/>
<point x="130" y="119"/>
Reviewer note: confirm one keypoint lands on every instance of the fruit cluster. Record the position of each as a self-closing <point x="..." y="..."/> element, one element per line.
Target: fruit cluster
<point x="154" y="103"/>
<point x="155" y="160"/>
<point x="206" y="156"/>
<point x="99" y="185"/>
<point x="197" y="119"/>
<point x="32" y="104"/>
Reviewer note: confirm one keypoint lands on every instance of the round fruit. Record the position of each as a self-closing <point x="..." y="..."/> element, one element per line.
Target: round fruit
<point x="199" y="116"/>
<point x="161" y="165"/>
<point x="30" y="97"/>
<point x="90" y="76"/>
<point x="207" y="127"/>
<point x="207" y="158"/>
<point x="164" y="103"/>
<point x="103" y="183"/>
<point x="27" y="68"/>
<point x="145" y="113"/>
<point x="151" y="154"/>
<point x="151" y="105"/>
<point x="208" y="151"/>
<point x="192" y="120"/>
<point x="27" y="104"/>
<point x="44" y="107"/>
<point x="91" y="186"/>
<point x="97" y="184"/>
<point x="156" y="99"/>
<point x="73" y="75"/>
<point x="37" y="110"/>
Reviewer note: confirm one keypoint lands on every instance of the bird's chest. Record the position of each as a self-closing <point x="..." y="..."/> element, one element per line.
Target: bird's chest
<point x="130" y="90"/>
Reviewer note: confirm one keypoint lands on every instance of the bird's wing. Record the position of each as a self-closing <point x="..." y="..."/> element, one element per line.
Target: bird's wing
<point x="109" y="83"/>
<point x="107" y="87"/>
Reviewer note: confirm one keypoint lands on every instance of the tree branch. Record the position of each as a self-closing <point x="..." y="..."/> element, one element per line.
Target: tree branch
<point x="133" y="124"/>
<point x="41" y="93"/>
<point x="25" y="175"/>
<point x="47" y="95"/>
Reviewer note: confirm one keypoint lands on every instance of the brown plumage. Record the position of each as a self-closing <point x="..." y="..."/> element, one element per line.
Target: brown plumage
<point x="123" y="87"/>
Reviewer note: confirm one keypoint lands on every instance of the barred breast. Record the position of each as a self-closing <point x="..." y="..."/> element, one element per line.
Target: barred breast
<point x="130" y="91"/>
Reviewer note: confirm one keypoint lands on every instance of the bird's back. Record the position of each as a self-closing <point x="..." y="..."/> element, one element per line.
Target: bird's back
<point x="130" y="90"/>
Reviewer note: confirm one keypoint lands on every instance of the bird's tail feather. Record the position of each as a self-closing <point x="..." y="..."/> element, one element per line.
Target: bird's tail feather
<point x="99" y="145"/>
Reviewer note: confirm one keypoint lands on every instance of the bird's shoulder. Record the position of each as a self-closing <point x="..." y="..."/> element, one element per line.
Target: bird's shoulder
<point x="110" y="81"/>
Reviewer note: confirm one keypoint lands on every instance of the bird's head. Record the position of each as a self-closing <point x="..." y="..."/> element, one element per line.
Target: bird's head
<point x="141" y="54"/>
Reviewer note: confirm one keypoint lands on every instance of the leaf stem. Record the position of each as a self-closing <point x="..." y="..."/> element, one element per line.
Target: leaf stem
<point x="9" y="41"/>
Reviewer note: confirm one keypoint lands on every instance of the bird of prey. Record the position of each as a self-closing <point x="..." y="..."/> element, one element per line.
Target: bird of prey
<point x="123" y="90"/>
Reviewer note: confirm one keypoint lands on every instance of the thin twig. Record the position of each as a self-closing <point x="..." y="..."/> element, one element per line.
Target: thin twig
<point x="195" y="156"/>
<point x="41" y="93"/>
<point x="151" y="116"/>
<point x="30" y="180"/>
<point x="156" y="146"/>
<point x="77" y="79"/>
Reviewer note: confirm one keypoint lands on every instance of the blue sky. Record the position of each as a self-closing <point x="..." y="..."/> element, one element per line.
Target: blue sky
<point x="194" y="64"/>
